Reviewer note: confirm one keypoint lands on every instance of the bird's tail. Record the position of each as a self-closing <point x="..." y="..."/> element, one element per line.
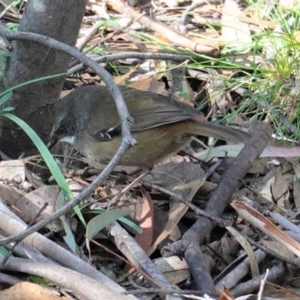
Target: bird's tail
<point x="210" y="129"/>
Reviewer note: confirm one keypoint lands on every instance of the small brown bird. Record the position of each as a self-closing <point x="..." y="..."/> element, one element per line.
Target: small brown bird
<point x="87" y="118"/>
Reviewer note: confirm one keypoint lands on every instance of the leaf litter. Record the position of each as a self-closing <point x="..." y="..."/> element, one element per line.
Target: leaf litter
<point x="259" y="232"/>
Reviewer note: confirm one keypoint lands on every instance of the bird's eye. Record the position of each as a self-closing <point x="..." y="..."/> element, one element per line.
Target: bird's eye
<point x="61" y="130"/>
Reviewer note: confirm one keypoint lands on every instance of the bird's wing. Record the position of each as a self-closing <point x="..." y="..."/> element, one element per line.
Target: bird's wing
<point x="149" y="110"/>
<point x="154" y="110"/>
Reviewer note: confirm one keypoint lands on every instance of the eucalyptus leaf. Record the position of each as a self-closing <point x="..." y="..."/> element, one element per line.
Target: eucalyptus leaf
<point x="101" y="221"/>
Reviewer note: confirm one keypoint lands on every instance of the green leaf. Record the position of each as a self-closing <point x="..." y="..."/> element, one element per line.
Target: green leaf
<point x="3" y="251"/>
<point x="113" y="22"/>
<point x="98" y="50"/>
<point x="38" y="280"/>
<point x="125" y="221"/>
<point x="49" y="160"/>
<point x="99" y="23"/>
<point x="5" y="96"/>
<point x="8" y="109"/>
<point x="17" y="2"/>
<point x="12" y="26"/>
<point x="131" y="224"/>
<point x="101" y="221"/>
<point x="68" y="237"/>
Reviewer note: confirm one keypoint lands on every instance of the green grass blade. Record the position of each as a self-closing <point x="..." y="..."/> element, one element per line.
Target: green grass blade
<point x="5" y="95"/>
<point x="49" y="160"/>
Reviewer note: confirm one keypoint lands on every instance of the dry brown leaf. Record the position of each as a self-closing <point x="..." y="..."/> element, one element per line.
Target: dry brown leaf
<point x="205" y="41"/>
<point x="266" y="190"/>
<point x="12" y="170"/>
<point x="207" y="188"/>
<point x="296" y="187"/>
<point x="170" y="3"/>
<point x="183" y="179"/>
<point x="30" y="205"/>
<point x="280" y="190"/>
<point x="145" y="219"/>
<point x="277" y="247"/>
<point x="169" y="34"/>
<point x="259" y="166"/>
<point x="281" y="293"/>
<point x="248" y="249"/>
<point x="161" y="220"/>
<point x="175" y="269"/>
<point x="262" y="223"/>
<point x="28" y="291"/>
<point x="149" y="84"/>
<point x="10" y="195"/>
<point x="98" y="8"/>
<point x="228" y="248"/>
<point x="122" y="78"/>
<point x="128" y="47"/>
<point x="235" y="33"/>
<point x="216" y="90"/>
<point x="258" y="22"/>
<point x="225" y="295"/>
<point x="296" y="192"/>
<point x="64" y="93"/>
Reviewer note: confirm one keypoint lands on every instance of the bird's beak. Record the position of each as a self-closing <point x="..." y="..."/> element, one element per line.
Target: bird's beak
<point x="53" y="140"/>
<point x="52" y="143"/>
